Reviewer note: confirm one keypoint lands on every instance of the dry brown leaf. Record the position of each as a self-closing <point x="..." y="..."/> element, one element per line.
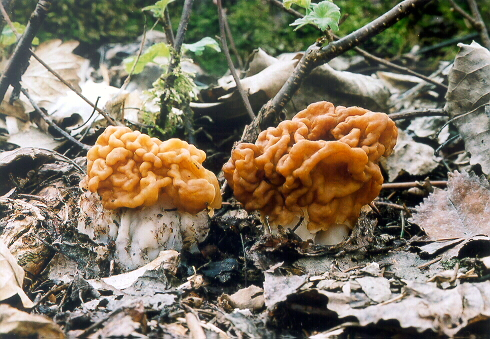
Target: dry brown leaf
<point x="278" y="287"/>
<point x="468" y="91"/>
<point x="18" y="324"/>
<point x="11" y="277"/>
<point x="422" y="306"/>
<point x="409" y="157"/>
<point x="251" y="297"/>
<point x="43" y="86"/>
<point x="460" y="211"/>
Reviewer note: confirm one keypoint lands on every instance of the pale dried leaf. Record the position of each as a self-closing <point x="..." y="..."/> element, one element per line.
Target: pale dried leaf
<point x="166" y="259"/>
<point x="33" y="137"/>
<point x="18" y="324"/>
<point x="258" y="61"/>
<point x="251" y="297"/>
<point x="376" y="288"/>
<point x="43" y="86"/>
<point x="270" y="80"/>
<point x="469" y="91"/>
<point x="278" y="287"/>
<point x="409" y="157"/>
<point x="422" y="307"/>
<point x="11" y="277"/>
<point x="460" y="211"/>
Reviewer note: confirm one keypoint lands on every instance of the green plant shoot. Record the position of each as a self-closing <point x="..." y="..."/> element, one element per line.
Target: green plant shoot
<point x="323" y="15"/>
<point x="161" y="50"/>
<point x="158" y="8"/>
<point x="199" y="46"/>
<point x="301" y="3"/>
<point x="8" y="36"/>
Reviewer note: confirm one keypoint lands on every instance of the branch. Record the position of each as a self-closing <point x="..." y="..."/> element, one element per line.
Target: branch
<point x="428" y="112"/>
<point x="475" y="20"/>
<point x="184" y="21"/>
<point x="317" y="55"/>
<point x="480" y="24"/>
<point x="167" y="27"/>
<point x="50" y="122"/>
<point x="19" y="61"/>
<point x="52" y="71"/>
<point x="367" y="55"/>
<point x="238" y="83"/>
<point x="170" y="77"/>
<point x="232" y="42"/>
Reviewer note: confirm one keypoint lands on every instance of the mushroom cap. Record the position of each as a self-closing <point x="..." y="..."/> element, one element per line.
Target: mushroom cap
<point x="321" y="165"/>
<point x="131" y="169"/>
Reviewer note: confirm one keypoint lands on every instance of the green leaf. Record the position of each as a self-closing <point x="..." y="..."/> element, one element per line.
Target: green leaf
<point x="198" y="47"/>
<point x="301" y="3"/>
<point x="8" y="36"/>
<point x="157" y="50"/>
<point x="322" y="15"/>
<point x="158" y="8"/>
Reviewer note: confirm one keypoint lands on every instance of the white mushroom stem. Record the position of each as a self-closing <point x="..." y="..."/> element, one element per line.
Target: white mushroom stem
<point x="145" y="231"/>
<point x="335" y="234"/>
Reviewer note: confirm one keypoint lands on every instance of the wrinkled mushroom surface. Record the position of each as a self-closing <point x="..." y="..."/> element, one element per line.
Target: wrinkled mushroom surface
<point x="321" y="165"/>
<point x="131" y="169"/>
<point x="155" y="195"/>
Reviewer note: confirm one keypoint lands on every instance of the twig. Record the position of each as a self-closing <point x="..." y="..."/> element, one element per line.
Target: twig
<point x="480" y="26"/>
<point x="402" y="217"/>
<point x="167" y="27"/>
<point x="7" y="19"/>
<point x="170" y="78"/>
<point x="403" y="185"/>
<point x="400" y="297"/>
<point x="367" y="55"/>
<point x="232" y="41"/>
<point x="317" y="55"/>
<point x="19" y="61"/>
<point x="138" y="56"/>
<point x="184" y="21"/>
<point x="398" y="68"/>
<point x="461" y="11"/>
<point x="54" y="289"/>
<point x="67" y="84"/>
<point x="193" y="323"/>
<point x="52" y="71"/>
<point x="475" y="19"/>
<point x="395" y="206"/>
<point x="244" y="95"/>
<point x="427" y="264"/>
<point x="50" y="122"/>
<point x="427" y="112"/>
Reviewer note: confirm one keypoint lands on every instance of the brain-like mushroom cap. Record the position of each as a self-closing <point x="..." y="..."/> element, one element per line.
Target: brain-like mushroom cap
<point x="131" y="169"/>
<point x="322" y="165"/>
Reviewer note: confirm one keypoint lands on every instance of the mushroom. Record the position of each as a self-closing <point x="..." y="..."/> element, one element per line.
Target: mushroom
<point x="159" y="190"/>
<point x="321" y="166"/>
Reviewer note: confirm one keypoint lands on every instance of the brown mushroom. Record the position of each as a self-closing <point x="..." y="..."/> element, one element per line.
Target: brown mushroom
<point x="158" y="189"/>
<point x="322" y="165"/>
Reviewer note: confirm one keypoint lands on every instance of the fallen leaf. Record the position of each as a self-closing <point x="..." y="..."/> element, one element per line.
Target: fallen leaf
<point x="278" y="287"/>
<point x="251" y="298"/>
<point x="468" y="92"/>
<point x="422" y="306"/>
<point x="18" y="324"/>
<point x="167" y="259"/>
<point x="11" y="278"/>
<point x="459" y="211"/>
<point x="42" y="85"/>
<point x="376" y="288"/>
<point x="409" y="157"/>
